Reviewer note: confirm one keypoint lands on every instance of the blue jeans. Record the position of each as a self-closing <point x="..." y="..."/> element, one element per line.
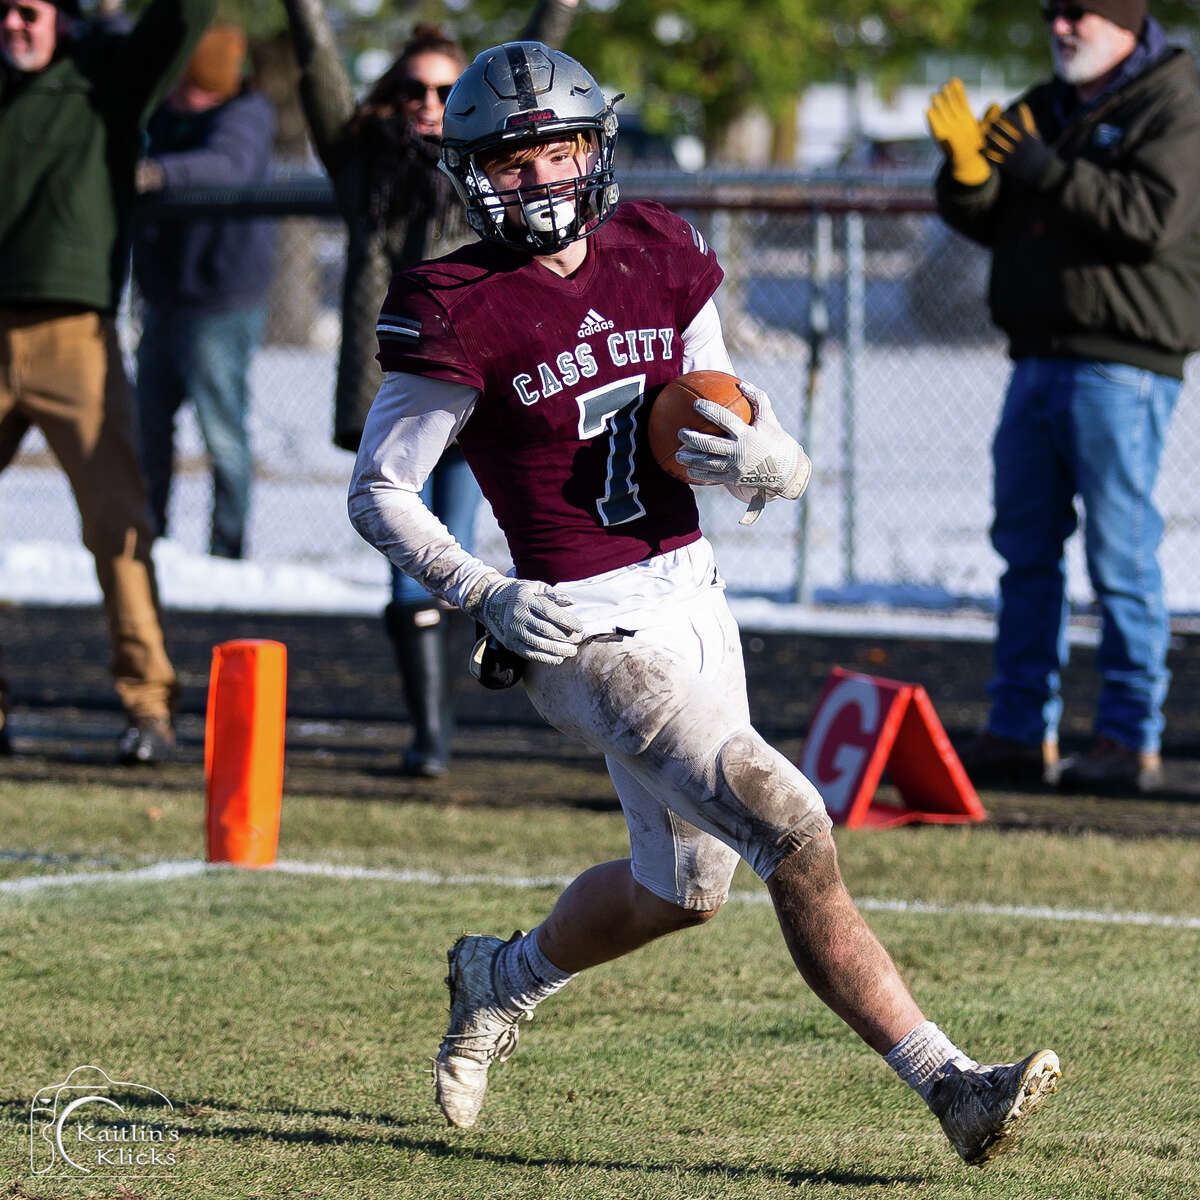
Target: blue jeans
<point x="1093" y="430"/>
<point x="204" y="358"/>
<point x="453" y="496"/>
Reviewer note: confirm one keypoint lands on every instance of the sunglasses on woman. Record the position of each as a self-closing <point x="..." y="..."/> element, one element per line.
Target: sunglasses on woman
<point x="414" y="89"/>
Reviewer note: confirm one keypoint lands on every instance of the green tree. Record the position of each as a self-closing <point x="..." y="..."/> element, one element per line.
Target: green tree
<point x="710" y="61"/>
<point x="706" y="62"/>
<point x="700" y="64"/>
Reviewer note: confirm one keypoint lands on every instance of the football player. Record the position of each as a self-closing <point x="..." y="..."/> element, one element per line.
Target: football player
<point x="541" y="348"/>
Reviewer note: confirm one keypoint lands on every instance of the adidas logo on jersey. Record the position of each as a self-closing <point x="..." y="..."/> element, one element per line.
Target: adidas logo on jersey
<point x="593" y="323"/>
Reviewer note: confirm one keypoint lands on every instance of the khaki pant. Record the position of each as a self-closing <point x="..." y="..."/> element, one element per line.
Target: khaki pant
<point x="61" y="370"/>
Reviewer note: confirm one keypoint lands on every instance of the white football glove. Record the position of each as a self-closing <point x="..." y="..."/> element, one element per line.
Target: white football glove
<point x="530" y="619"/>
<point x="761" y="456"/>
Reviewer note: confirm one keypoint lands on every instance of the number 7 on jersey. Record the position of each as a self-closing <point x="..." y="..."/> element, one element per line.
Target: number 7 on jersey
<point x="617" y="406"/>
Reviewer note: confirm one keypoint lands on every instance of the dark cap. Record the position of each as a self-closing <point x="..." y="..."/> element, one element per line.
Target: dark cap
<point x="1129" y="14"/>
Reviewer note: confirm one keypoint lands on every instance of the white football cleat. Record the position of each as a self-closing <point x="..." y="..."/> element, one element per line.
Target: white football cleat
<point x="980" y="1108"/>
<point x="480" y="1031"/>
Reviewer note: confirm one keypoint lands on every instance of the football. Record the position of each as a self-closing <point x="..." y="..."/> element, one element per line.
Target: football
<point x="672" y="411"/>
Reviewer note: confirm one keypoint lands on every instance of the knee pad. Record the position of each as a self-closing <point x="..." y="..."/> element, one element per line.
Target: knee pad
<point x="764" y="802"/>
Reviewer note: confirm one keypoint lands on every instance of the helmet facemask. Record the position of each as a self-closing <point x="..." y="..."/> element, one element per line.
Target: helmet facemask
<point x="514" y="98"/>
<point x="541" y="218"/>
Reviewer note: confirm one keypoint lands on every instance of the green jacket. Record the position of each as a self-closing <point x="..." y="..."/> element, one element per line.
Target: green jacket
<point x="1104" y="262"/>
<point x="70" y="136"/>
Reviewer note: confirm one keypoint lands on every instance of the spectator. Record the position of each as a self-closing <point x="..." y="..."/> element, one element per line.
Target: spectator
<point x="1087" y="191"/>
<point x="399" y="210"/>
<point x="617" y="614"/>
<point x="204" y="282"/>
<point x="73" y="104"/>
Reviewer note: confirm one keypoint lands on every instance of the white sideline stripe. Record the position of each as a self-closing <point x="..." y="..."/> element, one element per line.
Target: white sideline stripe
<point x="1034" y="912"/>
<point x="163" y="872"/>
<point x="158" y="873"/>
<point x="431" y="878"/>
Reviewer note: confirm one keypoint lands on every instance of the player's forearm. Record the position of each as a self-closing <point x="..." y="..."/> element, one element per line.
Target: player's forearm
<point x="407" y="431"/>
<point x="528" y="617"/>
<point x="396" y="522"/>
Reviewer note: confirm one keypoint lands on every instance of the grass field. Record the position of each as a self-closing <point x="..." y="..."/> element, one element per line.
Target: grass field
<point x="290" y="1017"/>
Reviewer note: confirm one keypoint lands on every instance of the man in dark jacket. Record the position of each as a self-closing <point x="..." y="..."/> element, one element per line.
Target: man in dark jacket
<point x="73" y="103"/>
<point x="1088" y="192"/>
<point x="204" y="281"/>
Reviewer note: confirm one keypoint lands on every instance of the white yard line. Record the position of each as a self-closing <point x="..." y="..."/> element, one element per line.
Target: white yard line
<point x="158" y="873"/>
<point x="166" y="871"/>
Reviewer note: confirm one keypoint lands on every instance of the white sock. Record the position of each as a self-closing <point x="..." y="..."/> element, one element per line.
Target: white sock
<point x="921" y="1057"/>
<point x="524" y="976"/>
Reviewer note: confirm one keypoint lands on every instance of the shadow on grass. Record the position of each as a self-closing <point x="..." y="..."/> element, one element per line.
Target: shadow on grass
<point x="390" y="1131"/>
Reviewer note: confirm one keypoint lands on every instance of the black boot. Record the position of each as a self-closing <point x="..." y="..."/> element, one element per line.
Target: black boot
<point x="418" y="634"/>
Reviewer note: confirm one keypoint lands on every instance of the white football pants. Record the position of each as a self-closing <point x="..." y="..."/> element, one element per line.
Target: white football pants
<point x="699" y="786"/>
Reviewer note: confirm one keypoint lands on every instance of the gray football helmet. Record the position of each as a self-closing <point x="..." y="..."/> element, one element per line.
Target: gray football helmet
<point x="514" y="94"/>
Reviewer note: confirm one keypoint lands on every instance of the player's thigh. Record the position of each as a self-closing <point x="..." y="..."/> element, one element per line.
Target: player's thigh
<point x="666" y="689"/>
<point x="641" y="702"/>
<point x="669" y="856"/>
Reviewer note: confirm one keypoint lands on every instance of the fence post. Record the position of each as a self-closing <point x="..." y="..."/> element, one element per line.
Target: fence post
<point x="729" y="297"/>
<point x="855" y="269"/>
<point x="818" y="329"/>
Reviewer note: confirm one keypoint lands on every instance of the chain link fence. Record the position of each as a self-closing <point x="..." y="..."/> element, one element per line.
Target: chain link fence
<point x="862" y="316"/>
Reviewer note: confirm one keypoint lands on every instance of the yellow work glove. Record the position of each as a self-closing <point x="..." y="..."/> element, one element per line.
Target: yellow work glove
<point x="993" y="114"/>
<point x="956" y="131"/>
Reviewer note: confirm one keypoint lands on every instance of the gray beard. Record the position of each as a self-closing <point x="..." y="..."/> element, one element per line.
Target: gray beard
<point x="18" y="61"/>
<point x="1091" y="60"/>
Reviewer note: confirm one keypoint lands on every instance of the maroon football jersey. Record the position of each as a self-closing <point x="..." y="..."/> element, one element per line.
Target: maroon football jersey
<point x="567" y="370"/>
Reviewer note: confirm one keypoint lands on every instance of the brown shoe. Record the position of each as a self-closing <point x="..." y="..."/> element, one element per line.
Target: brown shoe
<point x="994" y="761"/>
<point x="1112" y="769"/>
